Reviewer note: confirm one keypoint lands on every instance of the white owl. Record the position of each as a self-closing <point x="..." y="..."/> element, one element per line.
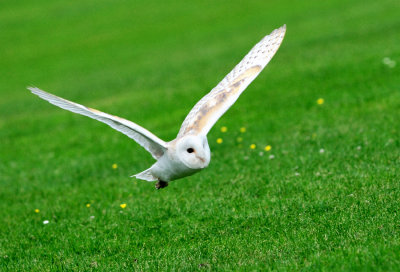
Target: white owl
<point x="189" y="152"/>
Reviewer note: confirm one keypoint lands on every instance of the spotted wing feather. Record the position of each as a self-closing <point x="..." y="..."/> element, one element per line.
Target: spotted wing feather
<point x="142" y="136"/>
<point x="212" y="106"/>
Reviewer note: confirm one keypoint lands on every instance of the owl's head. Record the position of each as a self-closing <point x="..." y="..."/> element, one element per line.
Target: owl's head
<point x="193" y="151"/>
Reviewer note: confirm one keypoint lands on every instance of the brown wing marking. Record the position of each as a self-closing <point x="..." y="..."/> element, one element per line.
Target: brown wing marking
<point x="94" y="110"/>
<point x="99" y="112"/>
<point x="217" y="101"/>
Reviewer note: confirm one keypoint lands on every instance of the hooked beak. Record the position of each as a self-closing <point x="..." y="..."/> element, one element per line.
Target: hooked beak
<point x="201" y="159"/>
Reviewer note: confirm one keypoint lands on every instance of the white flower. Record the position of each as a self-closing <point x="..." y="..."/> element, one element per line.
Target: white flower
<point x="321" y="150"/>
<point x="389" y="62"/>
<point x="386" y="60"/>
<point x="45" y="222"/>
<point x="92" y="217"/>
<point x="261" y="153"/>
<point x="271" y="157"/>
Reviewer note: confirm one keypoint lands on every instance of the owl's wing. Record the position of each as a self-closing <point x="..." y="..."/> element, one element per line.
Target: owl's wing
<point x="142" y="136"/>
<point x="212" y="106"/>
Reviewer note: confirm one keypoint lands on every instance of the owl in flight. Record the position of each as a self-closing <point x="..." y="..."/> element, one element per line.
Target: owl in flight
<point x="189" y="152"/>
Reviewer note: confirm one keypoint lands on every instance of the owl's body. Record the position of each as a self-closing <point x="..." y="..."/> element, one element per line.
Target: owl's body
<point x="189" y="152"/>
<point x="184" y="157"/>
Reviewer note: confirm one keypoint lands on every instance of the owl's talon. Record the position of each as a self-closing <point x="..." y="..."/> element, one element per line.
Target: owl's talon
<point x="161" y="184"/>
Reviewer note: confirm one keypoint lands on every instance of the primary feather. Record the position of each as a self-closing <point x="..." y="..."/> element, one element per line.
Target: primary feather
<point x="141" y="135"/>
<point x="212" y="106"/>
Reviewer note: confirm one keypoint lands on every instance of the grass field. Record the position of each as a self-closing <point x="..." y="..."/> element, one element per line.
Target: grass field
<point x="328" y="200"/>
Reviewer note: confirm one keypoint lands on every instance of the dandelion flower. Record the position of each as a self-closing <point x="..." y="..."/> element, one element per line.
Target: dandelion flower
<point x="219" y="141"/>
<point x="224" y="129"/>
<point x="267" y="148"/>
<point x="37" y="210"/>
<point x="114" y="166"/>
<point x="320" y="101"/>
<point x="242" y="129"/>
<point x="252" y="146"/>
<point x="123" y="206"/>
<point x="45" y="222"/>
<point x="88" y="205"/>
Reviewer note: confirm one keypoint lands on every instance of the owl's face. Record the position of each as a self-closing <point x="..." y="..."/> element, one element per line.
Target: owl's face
<point x="193" y="151"/>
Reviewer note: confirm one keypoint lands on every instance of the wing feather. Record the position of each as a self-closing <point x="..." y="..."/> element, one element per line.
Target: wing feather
<point x="142" y="136"/>
<point x="212" y="106"/>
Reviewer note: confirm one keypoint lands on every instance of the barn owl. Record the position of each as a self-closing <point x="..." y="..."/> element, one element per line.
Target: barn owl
<point x="189" y="152"/>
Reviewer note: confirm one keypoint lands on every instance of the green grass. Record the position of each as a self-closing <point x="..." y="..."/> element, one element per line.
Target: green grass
<point x="150" y="62"/>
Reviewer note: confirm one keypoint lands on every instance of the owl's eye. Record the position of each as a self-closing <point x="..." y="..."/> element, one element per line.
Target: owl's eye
<point x="190" y="150"/>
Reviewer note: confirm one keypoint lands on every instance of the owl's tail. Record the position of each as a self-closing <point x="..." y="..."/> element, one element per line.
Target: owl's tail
<point x="145" y="175"/>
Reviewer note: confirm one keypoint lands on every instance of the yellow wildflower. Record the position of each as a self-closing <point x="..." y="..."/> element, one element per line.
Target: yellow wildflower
<point x="219" y="141"/>
<point x="88" y="205"/>
<point x="252" y="146"/>
<point x="123" y="206"/>
<point x="320" y="101"/>
<point x="114" y="166"/>
<point x="242" y="129"/>
<point x="37" y="210"/>
<point x="267" y="148"/>
<point x="224" y="129"/>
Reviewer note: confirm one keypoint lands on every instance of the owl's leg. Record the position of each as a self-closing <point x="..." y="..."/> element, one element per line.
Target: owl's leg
<point x="161" y="184"/>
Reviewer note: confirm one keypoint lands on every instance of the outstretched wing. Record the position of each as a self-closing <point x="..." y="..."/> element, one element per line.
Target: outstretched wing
<point x="142" y="136"/>
<point x="212" y="106"/>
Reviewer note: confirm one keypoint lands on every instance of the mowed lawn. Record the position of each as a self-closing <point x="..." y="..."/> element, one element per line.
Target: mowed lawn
<point x="325" y="197"/>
